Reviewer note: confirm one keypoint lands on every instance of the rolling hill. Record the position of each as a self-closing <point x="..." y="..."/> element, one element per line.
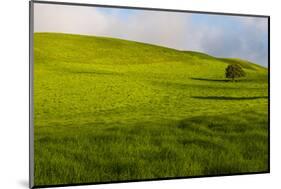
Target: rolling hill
<point x="108" y="109"/>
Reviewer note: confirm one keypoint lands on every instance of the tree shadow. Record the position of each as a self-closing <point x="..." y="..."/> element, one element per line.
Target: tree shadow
<point x="229" y="97"/>
<point x="208" y="79"/>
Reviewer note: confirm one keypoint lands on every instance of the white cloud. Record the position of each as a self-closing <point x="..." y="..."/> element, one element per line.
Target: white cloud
<point x="258" y="24"/>
<point x="162" y="28"/>
<point x="66" y="19"/>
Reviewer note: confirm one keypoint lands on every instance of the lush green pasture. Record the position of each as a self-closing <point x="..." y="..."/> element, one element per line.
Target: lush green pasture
<point x="110" y="110"/>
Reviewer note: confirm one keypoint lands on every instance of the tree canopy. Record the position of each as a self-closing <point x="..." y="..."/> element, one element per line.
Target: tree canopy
<point x="234" y="71"/>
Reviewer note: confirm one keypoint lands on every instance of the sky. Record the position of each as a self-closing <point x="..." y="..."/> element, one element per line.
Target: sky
<point x="217" y="35"/>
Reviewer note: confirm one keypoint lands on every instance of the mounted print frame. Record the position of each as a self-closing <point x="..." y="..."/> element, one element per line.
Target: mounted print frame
<point x="126" y="94"/>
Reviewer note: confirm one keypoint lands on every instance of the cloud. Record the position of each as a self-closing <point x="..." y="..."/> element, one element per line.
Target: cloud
<point x="223" y="36"/>
<point x="258" y="24"/>
<point x="68" y="19"/>
<point x="246" y="38"/>
<point x="161" y="28"/>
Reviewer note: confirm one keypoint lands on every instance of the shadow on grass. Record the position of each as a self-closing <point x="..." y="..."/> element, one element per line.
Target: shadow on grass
<point x="208" y="79"/>
<point x="219" y="80"/>
<point x="229" y="97"/>
<point x="93" y="72"/>
<point x="96" y="73"/>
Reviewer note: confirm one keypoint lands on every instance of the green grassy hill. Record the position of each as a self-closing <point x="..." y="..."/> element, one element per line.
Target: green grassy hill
<point x="109" y="109"/>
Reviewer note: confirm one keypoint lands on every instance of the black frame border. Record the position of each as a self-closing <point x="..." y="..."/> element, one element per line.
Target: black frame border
<point x="31" y="131"/>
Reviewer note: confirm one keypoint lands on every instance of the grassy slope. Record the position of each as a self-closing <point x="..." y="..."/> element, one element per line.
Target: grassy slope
<point x="109" y="109"/>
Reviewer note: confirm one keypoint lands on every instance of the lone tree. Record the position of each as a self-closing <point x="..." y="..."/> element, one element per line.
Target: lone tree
<point x="234" y="71"/>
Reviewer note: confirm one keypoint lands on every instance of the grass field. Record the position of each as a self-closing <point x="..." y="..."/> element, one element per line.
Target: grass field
<point x="109" y="110"/>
